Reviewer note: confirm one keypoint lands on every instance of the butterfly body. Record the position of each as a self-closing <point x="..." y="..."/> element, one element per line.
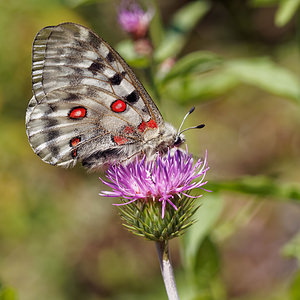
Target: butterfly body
<point x="88" y="105"/>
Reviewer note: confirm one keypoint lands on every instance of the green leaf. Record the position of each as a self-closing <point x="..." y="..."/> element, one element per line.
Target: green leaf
<point x="294" y="292"/>
<point x="7" y="293"/>
<point x="263" y="2"/>
<point x="126" y="50"/>
<point x="264" y="73"/>
<point x="196" y="62"/>
<point x="205" y="217"/>
<point x="292" y="248"/>
<point x="187" y="17"/>
<point x="204" y="280"/>
<point x="207" y="273"/>
<point x="200" y="87"/>
<point x="287" y="9"/>
<point x="183" y="22"/>
<point x="261" y="72"/>
<point x="77" y="3"/>
<point x="156" y="28"/>
<point x="259" y="185"/>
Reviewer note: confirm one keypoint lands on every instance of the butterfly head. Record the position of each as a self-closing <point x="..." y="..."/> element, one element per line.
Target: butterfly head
<point x="169" y="138"/>
<point x="179" y="139"/>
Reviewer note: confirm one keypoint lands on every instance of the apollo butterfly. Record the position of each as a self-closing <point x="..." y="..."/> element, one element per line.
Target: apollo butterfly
<point x="88" y="105"/>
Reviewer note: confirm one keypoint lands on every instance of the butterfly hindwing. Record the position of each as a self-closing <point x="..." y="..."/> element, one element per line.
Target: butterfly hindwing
<point x="87" y="102"/>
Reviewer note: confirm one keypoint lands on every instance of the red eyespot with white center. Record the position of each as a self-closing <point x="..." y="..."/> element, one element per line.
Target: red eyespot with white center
<point x="78" y="112"/>
<point x="118" y="106"/>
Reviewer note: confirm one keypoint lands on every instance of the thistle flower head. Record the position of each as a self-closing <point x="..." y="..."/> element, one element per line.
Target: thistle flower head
<point x="156" y="200"/>
<point x="134" y="20"/>
<point x="159" y="180"/>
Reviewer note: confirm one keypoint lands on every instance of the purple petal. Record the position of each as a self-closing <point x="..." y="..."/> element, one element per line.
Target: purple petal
<point x="157" y="180"/>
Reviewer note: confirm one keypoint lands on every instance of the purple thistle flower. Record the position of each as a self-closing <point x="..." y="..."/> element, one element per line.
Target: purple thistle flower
<point x="159" y="180"/>
<point x="134" y="20"/>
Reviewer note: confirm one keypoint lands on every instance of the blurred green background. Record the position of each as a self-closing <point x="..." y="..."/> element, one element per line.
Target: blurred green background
<point x="238" y="63"/>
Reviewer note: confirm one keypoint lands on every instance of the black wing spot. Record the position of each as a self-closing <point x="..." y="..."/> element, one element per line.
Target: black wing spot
<point x="32" y="104"/>
<point x="51" y="135"/>
<point x="132" y="97"/>
<point x="110" y="57"/>
<point x="54" y="150"/>
<point x="51" y="122"/>
<point x="94" y="40"/>
<point x="96" y="67"/>
<point x="116" y="79"/>
<point x="50" y="110"/>
<point x="72" y="97"/>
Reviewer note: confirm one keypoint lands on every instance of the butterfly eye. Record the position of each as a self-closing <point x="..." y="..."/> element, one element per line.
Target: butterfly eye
<point x="178" y="141"/>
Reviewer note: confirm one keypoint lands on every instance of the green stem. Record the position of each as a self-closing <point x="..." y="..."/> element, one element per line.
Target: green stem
<point x="167" y="269"/>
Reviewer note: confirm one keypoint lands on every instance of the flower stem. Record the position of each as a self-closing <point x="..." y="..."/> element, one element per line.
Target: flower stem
<point x="167" y="270"/>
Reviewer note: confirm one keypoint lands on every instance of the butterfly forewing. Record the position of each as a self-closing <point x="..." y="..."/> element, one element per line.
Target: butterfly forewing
<point x="87" y="102"/>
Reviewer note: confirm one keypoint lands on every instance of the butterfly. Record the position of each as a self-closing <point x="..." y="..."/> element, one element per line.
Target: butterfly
<point x="87" y="104"/>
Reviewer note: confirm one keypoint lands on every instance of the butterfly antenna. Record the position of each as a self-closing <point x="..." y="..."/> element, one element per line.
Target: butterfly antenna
<point x="191" y="110"/>
<point x="194" y="127"/>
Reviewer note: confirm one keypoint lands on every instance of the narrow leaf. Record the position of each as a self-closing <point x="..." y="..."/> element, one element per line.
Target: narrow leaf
<point x="287" y="9"/>
<point x="261" y="186"/>
<point x="156" y="27"/>
<point x="200" y="87"/>
<point x="196" y="62"/>
<point x="260" y="3"/>
<point x="183" y="22"/>
<point x="264" y="73"/>
<point x="205" y="217"/>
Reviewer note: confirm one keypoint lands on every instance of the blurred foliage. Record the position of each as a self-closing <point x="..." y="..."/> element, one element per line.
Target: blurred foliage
<point x="261" y="186"/>
<point x="238" y="62"/>
<point x="181" y="26"/>
<point x="7" y="293"/>
<point x="285" y="12"/>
